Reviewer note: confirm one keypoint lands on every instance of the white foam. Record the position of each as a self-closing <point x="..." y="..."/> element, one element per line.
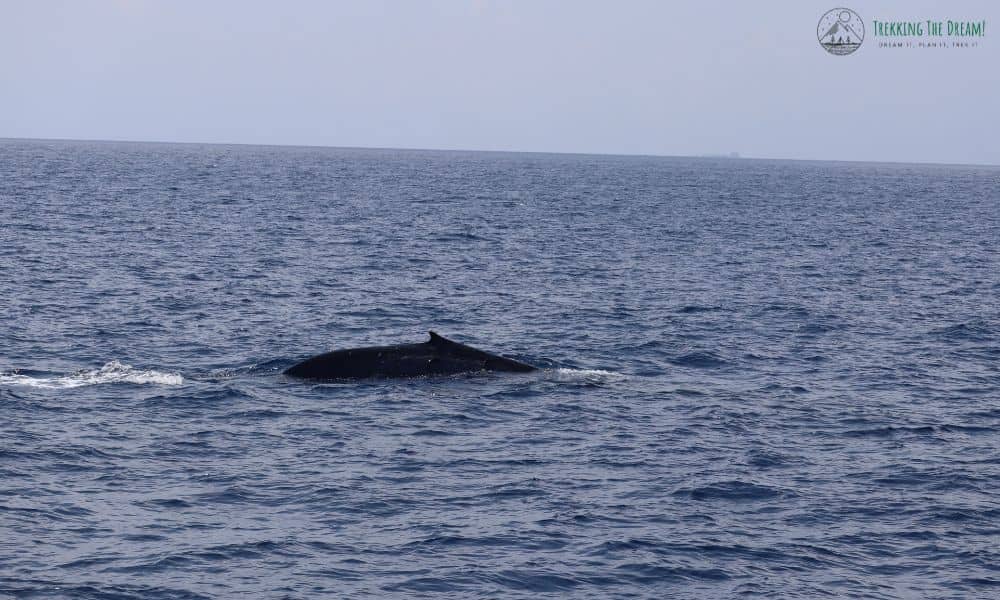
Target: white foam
<point x="113" y="372"/>
<point x="587" y="375"/>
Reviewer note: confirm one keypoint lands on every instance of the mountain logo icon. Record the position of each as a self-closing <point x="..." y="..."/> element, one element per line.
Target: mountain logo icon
<point x="840" y="31"/>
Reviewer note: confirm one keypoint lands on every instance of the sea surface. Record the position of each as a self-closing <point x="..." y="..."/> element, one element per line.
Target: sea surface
<point x="759" y="378"/>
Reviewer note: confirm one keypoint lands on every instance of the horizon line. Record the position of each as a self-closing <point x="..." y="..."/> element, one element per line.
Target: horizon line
<point x="413" y="149"/>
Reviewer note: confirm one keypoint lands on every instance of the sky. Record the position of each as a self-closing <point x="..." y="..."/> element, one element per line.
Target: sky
<point x="612" y="77"/>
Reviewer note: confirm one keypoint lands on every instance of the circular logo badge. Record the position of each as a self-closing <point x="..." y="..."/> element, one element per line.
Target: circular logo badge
<point x="840" y="31"/>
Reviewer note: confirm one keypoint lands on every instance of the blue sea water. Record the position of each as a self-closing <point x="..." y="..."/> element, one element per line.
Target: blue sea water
<point x="761" y="378"/>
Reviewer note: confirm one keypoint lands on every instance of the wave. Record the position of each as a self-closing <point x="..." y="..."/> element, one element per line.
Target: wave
<point x="700" y="360"/>
<point x="976" y="330"/>
<point x="112" y="372"/>
<point x="734" y="490"/>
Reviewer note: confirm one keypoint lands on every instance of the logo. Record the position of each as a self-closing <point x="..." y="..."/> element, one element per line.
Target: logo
<point x="840" y="31"/>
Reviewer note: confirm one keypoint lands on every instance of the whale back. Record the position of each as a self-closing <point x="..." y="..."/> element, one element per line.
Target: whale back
<point x="437" y="356"/>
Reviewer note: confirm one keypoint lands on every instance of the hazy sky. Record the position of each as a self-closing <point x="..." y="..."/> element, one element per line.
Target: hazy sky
<point x="622" y="76"/>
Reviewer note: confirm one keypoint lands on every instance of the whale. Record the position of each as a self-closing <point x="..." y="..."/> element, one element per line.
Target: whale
<point x="436" y="356"/>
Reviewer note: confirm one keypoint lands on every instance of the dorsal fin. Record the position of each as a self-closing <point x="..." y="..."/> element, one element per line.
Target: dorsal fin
<point x="437" y="339"/>
<point x="453" y="347"/>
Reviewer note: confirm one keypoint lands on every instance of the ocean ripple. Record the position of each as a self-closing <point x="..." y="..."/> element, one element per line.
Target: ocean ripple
<point x="768" y="379"/>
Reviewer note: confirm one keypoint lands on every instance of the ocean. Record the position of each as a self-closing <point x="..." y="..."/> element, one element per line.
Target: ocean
<point x="760" y="378"/>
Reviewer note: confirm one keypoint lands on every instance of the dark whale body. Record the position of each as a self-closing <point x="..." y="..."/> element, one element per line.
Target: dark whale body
<point x="437" y="356"/>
